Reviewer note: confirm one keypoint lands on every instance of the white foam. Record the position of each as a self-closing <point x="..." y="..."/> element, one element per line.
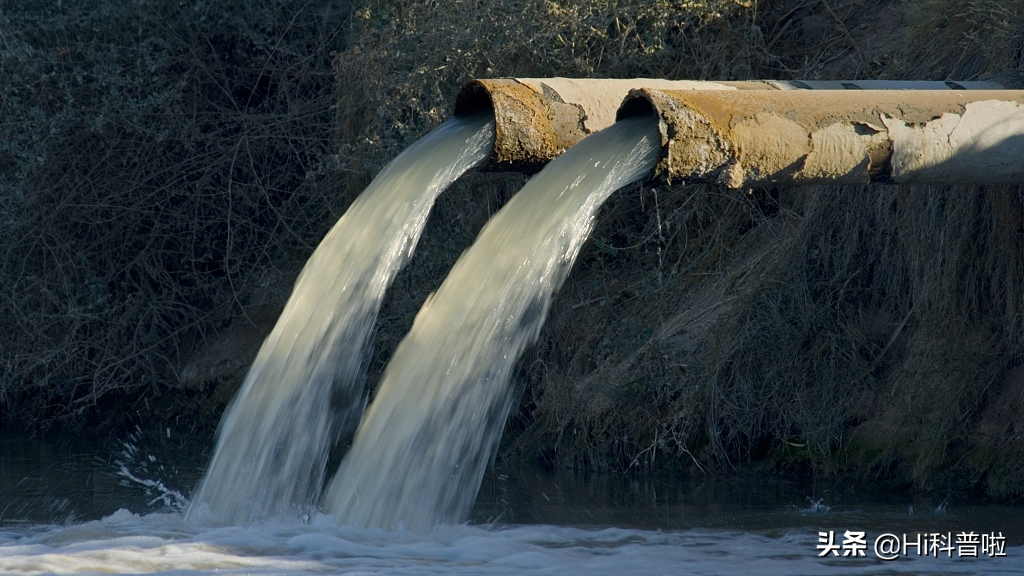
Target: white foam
<point x="126" y="543"/>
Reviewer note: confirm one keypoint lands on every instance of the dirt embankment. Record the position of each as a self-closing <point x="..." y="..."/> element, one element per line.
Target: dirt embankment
<point x="162" y="189"/>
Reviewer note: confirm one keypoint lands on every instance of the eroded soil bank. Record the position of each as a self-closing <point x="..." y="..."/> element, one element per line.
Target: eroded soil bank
<point x="160" y="191"/>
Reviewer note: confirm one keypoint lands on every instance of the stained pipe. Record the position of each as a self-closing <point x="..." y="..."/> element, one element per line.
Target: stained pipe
<point x="790" y="137"/>
<point x="536" y="119"/>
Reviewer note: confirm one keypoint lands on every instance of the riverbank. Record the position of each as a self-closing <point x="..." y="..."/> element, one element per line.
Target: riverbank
<point x="163" y="187"/>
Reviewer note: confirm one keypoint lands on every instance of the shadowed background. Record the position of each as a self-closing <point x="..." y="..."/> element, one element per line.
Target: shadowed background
<point x="167" y="167"/>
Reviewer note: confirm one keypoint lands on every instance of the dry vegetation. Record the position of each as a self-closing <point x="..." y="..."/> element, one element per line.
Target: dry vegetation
<point x="871" y="332"/>
<point x="161" y="164"/>
<point x="165" y="168"/>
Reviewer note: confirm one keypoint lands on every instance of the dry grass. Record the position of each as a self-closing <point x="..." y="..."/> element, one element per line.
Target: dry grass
<point x="166" y="167"/>
<point x="407" y="59"/>
<point x="867" y="331"/>
<point x="963" y="39"/>
<point x="161" y="164"/>
<point x="870" y="332"/>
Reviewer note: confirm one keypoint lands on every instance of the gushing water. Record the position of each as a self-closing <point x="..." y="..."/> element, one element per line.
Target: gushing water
<point x="422" y="448"/>
<point x="306" y="384"/>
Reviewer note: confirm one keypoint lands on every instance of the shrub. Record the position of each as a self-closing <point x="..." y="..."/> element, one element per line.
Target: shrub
<point x="161" y="165"/>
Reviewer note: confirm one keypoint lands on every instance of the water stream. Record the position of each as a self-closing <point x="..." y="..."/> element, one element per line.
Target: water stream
<point x="306" y="384"/>
<point x="422" y="447"/>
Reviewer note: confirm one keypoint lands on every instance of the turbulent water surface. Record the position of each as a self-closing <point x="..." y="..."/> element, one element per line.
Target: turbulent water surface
<point x="86" y="508"/>
<point x="60" y="515"/>
<point x="160" y="543"/>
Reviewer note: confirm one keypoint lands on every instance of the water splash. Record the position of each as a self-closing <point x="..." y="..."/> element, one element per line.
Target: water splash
<point x="306" y="384"/>
<point x="816" y="507"/>
<point x="421" y="450"/>
<point x="137" y="466"/>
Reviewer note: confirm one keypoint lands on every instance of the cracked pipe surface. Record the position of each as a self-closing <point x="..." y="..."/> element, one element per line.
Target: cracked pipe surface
<point x="536" y="119"/>
<point x="757" y="139"/>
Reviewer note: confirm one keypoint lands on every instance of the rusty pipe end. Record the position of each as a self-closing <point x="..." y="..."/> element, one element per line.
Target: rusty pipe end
<point x="694" y="148"/>
<point x="531" y="125"/>
<point x="536" y="119"/>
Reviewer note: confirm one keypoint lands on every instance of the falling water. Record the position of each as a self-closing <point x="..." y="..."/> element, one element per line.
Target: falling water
<point x="306" y="384"/>
<point x="422" y="448"/>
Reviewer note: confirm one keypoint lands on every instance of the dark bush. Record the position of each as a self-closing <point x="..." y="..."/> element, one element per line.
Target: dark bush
<point x="161" y="164"/>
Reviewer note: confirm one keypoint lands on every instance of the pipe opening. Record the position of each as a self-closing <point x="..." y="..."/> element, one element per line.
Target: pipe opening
<point x="636" y="104"/>
<point x="536" y="119"/>
<point x="473" y="98"/>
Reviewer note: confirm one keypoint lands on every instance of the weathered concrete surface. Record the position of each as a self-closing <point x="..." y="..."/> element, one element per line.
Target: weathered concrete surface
<point x="761" y="138"/>
<point x="536" y="119"/>
<point x="984" y="144"/>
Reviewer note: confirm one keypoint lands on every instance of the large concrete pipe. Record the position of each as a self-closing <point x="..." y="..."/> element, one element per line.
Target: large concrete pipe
<point x="755" y="139"/>
<point x="536" y="119"/>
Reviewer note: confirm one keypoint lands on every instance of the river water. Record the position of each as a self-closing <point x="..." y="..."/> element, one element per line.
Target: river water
<point x="114" y="506"/>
